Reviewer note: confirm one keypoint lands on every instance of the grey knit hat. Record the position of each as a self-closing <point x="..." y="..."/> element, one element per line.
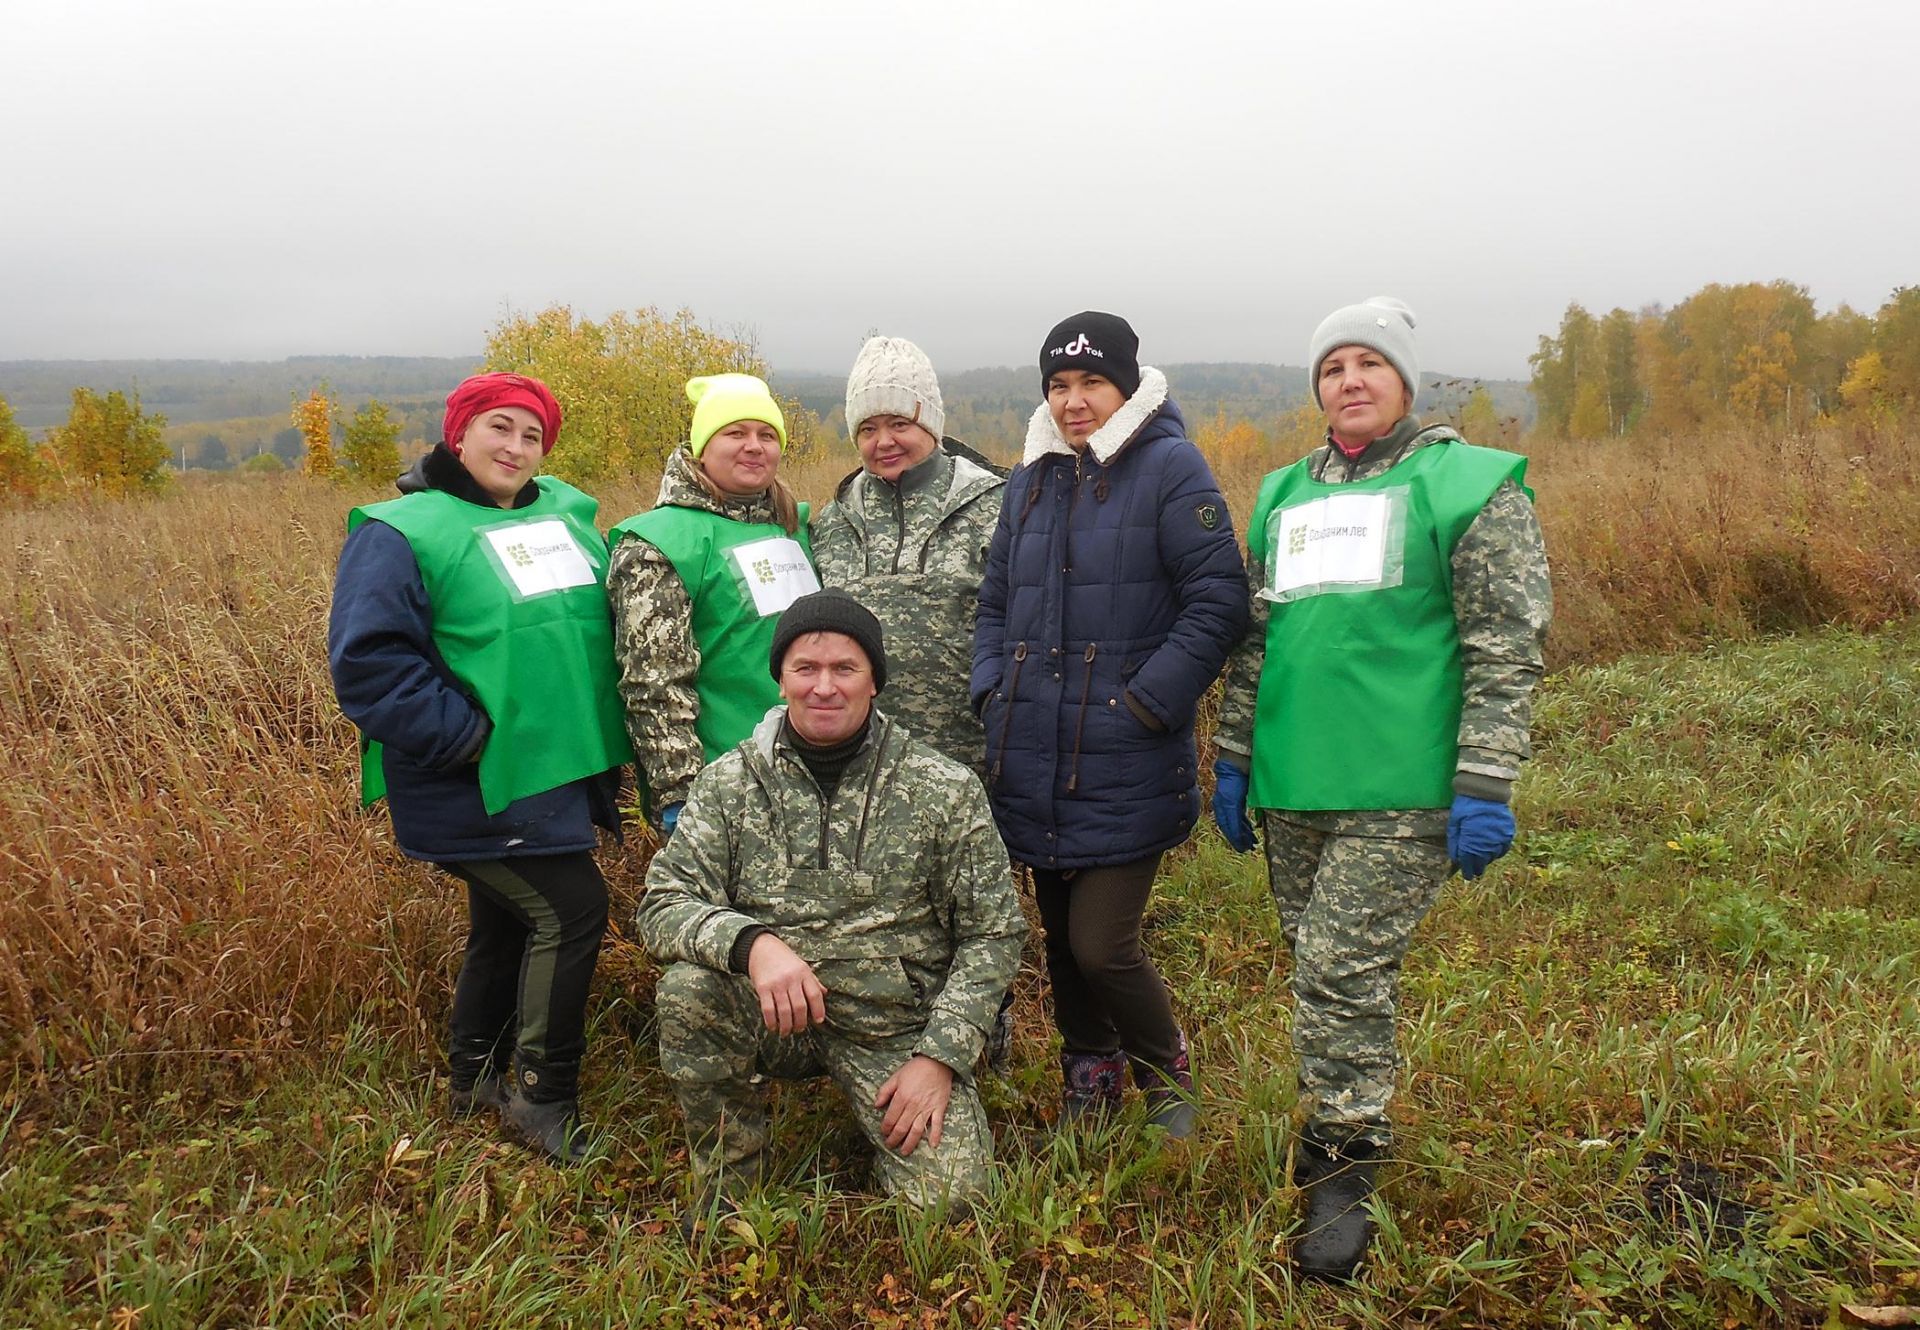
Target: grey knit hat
<point x="1379" y="322"/>
<point x="893" y="377"/>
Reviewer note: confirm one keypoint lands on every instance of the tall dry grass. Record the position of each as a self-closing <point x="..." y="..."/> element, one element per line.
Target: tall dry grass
<point x="1667" y="544"/>
<point x="186" y="865"/>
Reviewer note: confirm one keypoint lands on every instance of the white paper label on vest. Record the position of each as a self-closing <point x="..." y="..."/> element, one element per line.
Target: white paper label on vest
<point x="539" y="557"/>
<point x="775" y="571"/>
<point x="1344" y="542"/>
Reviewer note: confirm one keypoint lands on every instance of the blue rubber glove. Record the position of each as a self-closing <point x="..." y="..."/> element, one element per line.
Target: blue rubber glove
<point x="1478" y="832"/>
<point x="669" y="818"/>
<point x="1230" y="805"/>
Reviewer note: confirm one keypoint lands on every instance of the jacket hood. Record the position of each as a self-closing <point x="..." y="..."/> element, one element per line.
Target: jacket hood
<point x="969" y="462"/>
<point x="1043" y="436"/>
<point x="969" y="477"/>
<point x="1407" y="437"/>
<point x="766" y="735"/>
<point x="680" y="487"/>
<point x="440" y="469"/>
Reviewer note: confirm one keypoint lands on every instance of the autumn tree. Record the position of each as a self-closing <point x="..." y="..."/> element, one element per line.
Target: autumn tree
<point x="110" y="444"/>
<point x="1586" y="379"/>
<point x="313" y="417"/>
<point x="371" y="450"/>
<point x="1864" y="391"/>
<point x="1751" y="356"/>
<point x="1896" y="337"/>
<point x="621" y="383"/>
<point x="1480" y="418"/>
<point x="20" y="476"/>
<point x="1839" y="338"/>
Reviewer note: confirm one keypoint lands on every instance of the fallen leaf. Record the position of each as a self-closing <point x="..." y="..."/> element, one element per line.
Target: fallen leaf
<point x="1880" y="1315"/>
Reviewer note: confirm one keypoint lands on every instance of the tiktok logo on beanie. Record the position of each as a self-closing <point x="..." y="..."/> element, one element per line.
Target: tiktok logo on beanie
<point x="1079" y="346"/>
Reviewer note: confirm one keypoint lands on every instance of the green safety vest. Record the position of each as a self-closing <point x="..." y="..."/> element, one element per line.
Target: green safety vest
<point x="739" y="576"/>
<point x="520" y="616"/>
<point x="1360" y="693"/>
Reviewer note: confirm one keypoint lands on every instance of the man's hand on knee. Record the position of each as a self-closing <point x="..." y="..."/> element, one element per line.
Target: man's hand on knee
<point x="791" y="998"/>
<point x="915" y="1099"/>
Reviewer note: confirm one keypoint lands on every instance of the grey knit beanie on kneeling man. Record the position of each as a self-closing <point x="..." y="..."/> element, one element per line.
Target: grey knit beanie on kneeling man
<point x="1379" y="322"/>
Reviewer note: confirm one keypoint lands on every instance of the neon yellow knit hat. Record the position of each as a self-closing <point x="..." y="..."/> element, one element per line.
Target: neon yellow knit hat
<point x="720" y="399"/>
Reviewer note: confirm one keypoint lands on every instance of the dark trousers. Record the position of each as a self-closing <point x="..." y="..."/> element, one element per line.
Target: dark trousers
<point x="536" y="925"/>
<point x="1106" y="994"/>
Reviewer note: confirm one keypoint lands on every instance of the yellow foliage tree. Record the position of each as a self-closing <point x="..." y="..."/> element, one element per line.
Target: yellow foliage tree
<point x="1864" y="390"/>
<point x="1589" y="418"/>
<point x="313" y="417"/>
<point x="621" y="383"/>
<point x="1765" y="384"/>
<point x="110" y="444"/>
<point x="1480" y="418"/>
<point x="20" y="476"/>
<point x="371" y="449"/>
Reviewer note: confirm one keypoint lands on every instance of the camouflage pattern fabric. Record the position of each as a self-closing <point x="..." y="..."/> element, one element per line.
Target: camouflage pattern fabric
<point x="717" y="1052"/>
<point x="653" y="641"/>
<point x="914" y="554"/>
<point x="898" y="894"/>
<point x="1348" y="906"/>
<point x="1503" y="601"/>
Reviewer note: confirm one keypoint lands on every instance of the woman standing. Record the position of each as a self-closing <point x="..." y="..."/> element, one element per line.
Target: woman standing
<point x="470" y="642"/>
<point x="1114" y="590"/>
<point x="907" y="534"/>
<point x="697" y="582"/>
<point x="1399" y="574"/>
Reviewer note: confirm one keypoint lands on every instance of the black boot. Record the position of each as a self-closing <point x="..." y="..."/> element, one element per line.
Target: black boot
<point x="1337" y="1180"/>
<point x="553" y="1128"/>
<point x="486" y="1094"/>
<point x="1169" y="1092"/>
<point x="476" y="1073"/>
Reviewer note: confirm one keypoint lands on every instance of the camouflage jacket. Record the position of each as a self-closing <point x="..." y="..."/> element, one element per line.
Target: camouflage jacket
<point x="914" y="553"/>
<point x="653" y="642"/>
<point x="898" y="892"/>
<point x="1502" y="602"/>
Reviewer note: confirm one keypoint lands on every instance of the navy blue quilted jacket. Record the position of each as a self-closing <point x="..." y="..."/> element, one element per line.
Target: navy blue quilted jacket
<point x="1114" y="591"/>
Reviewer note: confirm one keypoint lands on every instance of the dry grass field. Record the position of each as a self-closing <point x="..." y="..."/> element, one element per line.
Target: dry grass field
<point x="1705" y="944"/>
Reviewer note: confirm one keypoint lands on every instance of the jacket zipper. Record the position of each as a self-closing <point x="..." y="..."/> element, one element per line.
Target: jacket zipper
<point x="1080" y="726"/>
<point x="1006" y="722"/>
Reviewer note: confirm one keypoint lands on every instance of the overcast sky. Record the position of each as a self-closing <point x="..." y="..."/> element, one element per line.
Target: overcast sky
<point x="201" y="178"/>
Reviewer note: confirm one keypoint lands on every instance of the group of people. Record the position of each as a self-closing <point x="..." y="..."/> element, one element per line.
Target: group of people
<point x="849" y="725"/>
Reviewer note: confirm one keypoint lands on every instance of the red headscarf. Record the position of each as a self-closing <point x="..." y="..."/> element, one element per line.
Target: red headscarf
<point x="484" y="392"/>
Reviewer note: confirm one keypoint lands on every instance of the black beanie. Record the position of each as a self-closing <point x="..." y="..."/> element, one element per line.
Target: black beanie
<point x="831" y="611"/>
<point x="1103" y="344"/>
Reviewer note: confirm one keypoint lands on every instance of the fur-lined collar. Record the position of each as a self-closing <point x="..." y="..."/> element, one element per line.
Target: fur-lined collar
<point x="441" y="469"/>
<point x="1043" y="436"/>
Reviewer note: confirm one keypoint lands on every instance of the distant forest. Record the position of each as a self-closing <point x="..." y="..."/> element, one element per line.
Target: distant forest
<point x="221" y="412"/>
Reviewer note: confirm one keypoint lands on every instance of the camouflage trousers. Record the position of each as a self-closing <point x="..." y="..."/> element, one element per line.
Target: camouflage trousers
<point x="716" y="1050"/>
<point x="1348" y="907"/>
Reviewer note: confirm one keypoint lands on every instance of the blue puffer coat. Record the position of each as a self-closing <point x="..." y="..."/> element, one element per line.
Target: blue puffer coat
<point x="1114" y="591"/>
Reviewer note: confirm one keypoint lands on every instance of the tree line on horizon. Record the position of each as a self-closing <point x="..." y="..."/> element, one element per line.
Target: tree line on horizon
<point x="1744" y="357"/>
<point x="1755" y="356"/>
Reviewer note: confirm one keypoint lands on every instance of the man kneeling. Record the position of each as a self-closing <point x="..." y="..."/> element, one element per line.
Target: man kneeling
<point x="834" y="900"/>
